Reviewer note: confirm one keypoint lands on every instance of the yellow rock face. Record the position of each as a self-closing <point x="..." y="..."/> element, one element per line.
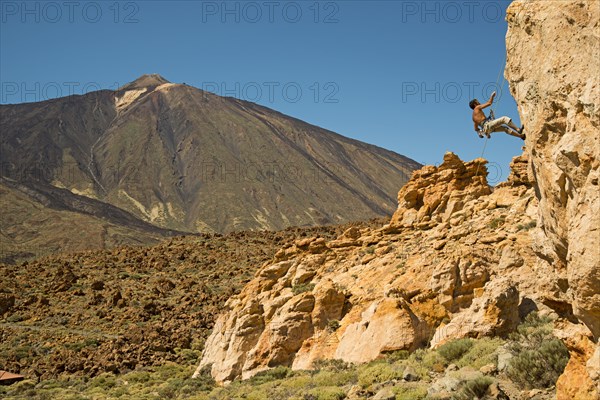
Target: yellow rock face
<point x="553" y="70"/>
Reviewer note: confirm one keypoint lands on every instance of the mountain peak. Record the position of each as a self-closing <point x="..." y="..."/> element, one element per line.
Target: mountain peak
<point x="144" y="81"/>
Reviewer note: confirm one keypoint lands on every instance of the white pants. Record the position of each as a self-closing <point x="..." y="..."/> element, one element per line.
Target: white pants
<point x="496" y="125"/>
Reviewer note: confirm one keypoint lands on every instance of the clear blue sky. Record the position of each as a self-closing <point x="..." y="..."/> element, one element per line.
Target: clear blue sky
<point x="398" y="74"/>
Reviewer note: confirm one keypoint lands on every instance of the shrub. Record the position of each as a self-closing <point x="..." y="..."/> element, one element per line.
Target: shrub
<point x="119" y="392"/>
<point x="377" y="372"/>
<point x="527" y="226"/>
<point x="326" y="393"/>
<point x="497" y="222"/>
<point x="15" y="318"/>
<point x="22" y="352"/>
<point x="104" y="381"/>
<point x="297" y="382"/>
<point x="455" y="349"/>
<point x="258" y="394"/>
<point x="334" y="378"/>
<point x="532" y="330"/>
<point x="167" y="392"/>
<point x="474" y="388"/>
<point x="189" y="356"/>
<point x="170" y="370"/>
<point x="77" y="347"/>
<point x="332" y="365"/>
<point x="397" y="355"/>
<point x="483" y="352"/>
<point x="138" y="377"/>
<point x="333" y="325"/>
<point x="539" y="368"/>
<point x="303" y="287"/>
<point x="411" y="393"/>
<point x="539" y="358"/>
<point x="421" y="361"/>
<point x="203" y="381"/>
<point x="270" y="375"/>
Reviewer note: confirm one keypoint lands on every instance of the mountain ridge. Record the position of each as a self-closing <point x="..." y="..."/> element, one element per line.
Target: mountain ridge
<point x="186" y="160"/>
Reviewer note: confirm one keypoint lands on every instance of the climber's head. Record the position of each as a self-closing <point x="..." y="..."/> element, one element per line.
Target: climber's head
<point x="473" y="103"/>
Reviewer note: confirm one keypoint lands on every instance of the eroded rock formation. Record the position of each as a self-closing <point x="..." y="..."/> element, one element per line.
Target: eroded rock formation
<point x="557" y="89"/>
<point x="432" y="274"/>
<point x="553" y="69"/>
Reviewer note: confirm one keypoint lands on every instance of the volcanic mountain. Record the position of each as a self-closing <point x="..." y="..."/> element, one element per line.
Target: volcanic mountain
<point x="154" y="158"/>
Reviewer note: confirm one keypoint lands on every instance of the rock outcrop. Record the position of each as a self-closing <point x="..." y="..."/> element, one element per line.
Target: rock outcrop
<point x="428" y="276"/>
<point x="433" y="195"/>
<point x="553" y="69"/>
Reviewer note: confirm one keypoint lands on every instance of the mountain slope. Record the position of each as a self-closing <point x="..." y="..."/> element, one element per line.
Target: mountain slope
<point x="41" y="219"/>
<point x="130" y="307"/>
<point x="184" y="159"/>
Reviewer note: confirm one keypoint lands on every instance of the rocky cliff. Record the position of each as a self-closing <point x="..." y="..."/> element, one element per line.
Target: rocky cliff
<point x="553" y="69"/>
<point x="455" y="261"/>
<point x="458" y="259"/>
<point x="558" y="94"/>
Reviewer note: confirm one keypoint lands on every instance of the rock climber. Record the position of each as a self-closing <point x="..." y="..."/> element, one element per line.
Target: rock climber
<point x="486" y="125"/>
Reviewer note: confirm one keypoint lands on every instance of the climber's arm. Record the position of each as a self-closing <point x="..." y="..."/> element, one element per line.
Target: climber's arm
<point x="476" y="126"/>
<point x="489" y="102"/>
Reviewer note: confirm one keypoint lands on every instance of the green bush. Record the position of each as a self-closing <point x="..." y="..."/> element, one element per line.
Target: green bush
<point x="104" y="381"/>
<point x="334" y="378"/>
<point x="497" y="222"/>
<point x="422" y="362"/>
<point x="411" y="392"/>
<point x="332" y="365"/>
<point x="378" y="372"/>
<point x="473" y="389"/>
<point x="397" y="356"/>
<point x="138" y="377"/>
<point x="77" y="347"/>
<point x="532" y="331"/>
<point x="120" y="392"/>
<point x="303" y="287"/>
<point x="326" y="393"/>
<point x="257" y="394"/>
<point x="482" y="353"/>
<point x="539" y="358"/>
<point x="15" y="318"/>
<point x="270" y="375"/>
<point x="455" y="349"/>
<point x="333" y="325"/>
<point x="297" y="382"/>
<point x="190" y="356"/>
<point x="203" y="381"/>
<point x="527" y="226"/>
<point x="539" y="368"/>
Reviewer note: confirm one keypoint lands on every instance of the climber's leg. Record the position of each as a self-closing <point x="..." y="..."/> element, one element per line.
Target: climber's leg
<point x="513" y="126"/>
<point x="504" y="124"/>
<point x="493" y="125"/>
<point x="509" y="131"/>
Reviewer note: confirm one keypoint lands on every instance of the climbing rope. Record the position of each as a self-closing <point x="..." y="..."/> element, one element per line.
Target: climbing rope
<point x="481" y="156"/>
<point x="492" y="114"/>
<point x="498" y="80"/>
